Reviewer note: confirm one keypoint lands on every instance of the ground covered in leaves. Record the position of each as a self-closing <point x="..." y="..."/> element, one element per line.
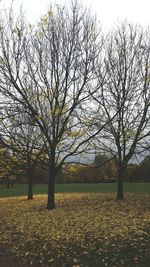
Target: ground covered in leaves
<point x="85" y="230"/>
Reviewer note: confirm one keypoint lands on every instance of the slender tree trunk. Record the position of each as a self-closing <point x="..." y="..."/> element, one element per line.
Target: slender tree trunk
<point x="51" y="190"/>
<point x="8" y="184"/>
<point x="30" y="186"/>
<point x="121" y="173"/>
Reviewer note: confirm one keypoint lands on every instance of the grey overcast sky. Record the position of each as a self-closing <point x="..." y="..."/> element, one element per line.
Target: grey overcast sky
<point x="108" y="11"/>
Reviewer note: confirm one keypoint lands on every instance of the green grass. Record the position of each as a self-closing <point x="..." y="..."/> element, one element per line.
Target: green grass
<point x="21" y="190"/>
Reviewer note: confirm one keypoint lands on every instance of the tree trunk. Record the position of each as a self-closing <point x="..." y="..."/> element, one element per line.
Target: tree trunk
<point x="51" y="190"/>
<point x="120" y="193"/>
<point x="7" y="184"/>
<point x="30" y="186"/>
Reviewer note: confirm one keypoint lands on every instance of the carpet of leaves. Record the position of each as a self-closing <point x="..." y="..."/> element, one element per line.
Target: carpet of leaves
<point x="85" y="230"/>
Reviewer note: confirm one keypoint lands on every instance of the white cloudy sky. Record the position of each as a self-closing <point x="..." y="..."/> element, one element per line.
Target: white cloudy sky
<point x="108" y="11"/>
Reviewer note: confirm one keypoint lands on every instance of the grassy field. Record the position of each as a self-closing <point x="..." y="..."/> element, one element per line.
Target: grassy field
<point x="21" y="190"/>
<point x="85" y="230"/>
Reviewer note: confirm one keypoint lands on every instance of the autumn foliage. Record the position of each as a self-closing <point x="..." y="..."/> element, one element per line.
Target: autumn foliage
<point x="102" y="169"/>
<point x="85" y="230"/>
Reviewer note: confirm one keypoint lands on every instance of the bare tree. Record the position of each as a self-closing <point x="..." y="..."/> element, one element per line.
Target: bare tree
<point x="22" y="138"/>
<point x="49" y="71"/>
<point x="8" y="166"/>
<point x="125" y="91"/>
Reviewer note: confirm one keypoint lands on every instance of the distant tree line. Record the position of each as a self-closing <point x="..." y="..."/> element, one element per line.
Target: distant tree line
<point x="67" y="89"/>
<point x="102" y="170"/>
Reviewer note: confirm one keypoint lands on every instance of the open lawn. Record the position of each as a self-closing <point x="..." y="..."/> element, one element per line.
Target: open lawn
<point x="85" y="230"/>
<point x="21" y="190"/>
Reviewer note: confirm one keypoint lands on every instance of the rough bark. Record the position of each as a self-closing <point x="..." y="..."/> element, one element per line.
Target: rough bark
<point x="51" y="190"/>
<point x="7" y="184"/>
<point x="121" y="175"/>
<point x="30" y="186"/>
